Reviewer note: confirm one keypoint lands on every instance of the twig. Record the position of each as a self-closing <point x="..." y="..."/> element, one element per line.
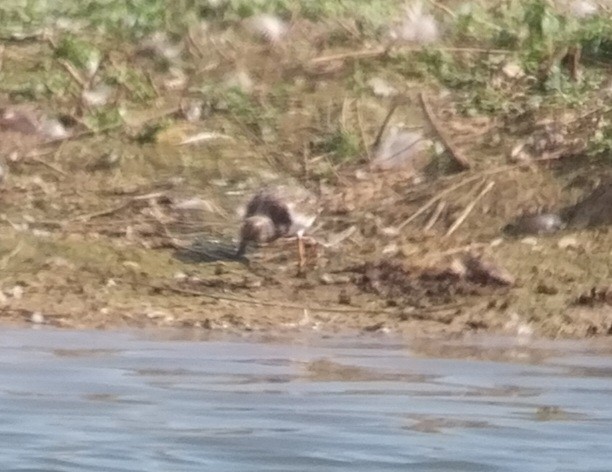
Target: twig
<point x="72" y="72"/>
<point x="148" y="196"/>
<point x="350" y="55"/>
<point x="24" y="37"/>
<point x="444" y="8"/>
<point x="6" y="259"/>
<point x="434" y="199"/>
<point x="203" y="136"/>
<point x="352" y="31"/>
<point x="469" y="208"/>
<point x="385" y="123"/>
<point x="362" y="132"/>
<point x="36" y="160"/>
<point x="455" y="153"/>
<point x="118" y="208"/>
<point x="343" y="113"/>
<point x="377" y="52"/>
<point x="40" y="153"/>
<point x="436" y="214"/>
<point x="602" y="110"/>
<point x="97" y="214"/>
<point x="468" y="180"/>
<point x="194" y="44"/>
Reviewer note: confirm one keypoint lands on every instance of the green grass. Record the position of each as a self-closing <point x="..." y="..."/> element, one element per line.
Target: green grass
<point x="134" y="18"/>
<point x="531" y="31"/>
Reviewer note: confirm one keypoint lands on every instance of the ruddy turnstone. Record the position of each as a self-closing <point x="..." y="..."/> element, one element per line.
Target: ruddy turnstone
<point x="278" y="212"/>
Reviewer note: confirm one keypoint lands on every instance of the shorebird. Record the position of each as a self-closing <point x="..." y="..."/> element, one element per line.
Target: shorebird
<point x="278" y="212"/>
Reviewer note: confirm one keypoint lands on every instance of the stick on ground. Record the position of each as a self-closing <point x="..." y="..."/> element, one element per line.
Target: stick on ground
<point x="455" y="153"/>
<point x="469" y="208"/>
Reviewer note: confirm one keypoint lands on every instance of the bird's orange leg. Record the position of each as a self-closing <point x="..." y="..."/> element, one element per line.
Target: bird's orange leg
<point x="301" y="254"/>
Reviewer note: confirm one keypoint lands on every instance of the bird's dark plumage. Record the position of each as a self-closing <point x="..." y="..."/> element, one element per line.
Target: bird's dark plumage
<point x="271" y="214"/>
<point x="267" y="203"/>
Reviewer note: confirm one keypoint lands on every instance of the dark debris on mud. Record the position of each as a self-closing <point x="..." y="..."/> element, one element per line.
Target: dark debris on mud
<point x="415" y="286"/>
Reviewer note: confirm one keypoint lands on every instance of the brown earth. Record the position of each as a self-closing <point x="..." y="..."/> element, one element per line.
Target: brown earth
<point x="90" y="243"/>
<point x="118" y="261"/>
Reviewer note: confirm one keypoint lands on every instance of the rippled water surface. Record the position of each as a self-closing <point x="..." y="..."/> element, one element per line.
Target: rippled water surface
<point x="100" y="401"/>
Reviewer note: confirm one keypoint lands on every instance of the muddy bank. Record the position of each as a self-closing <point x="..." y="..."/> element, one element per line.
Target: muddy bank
<point x="121" y="177"/>
<point x="106" y="271"/>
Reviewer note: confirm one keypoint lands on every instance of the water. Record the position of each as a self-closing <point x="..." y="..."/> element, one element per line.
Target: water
<point x="100" y="401"/>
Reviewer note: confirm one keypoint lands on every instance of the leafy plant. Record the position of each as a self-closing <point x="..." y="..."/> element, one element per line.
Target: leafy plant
<point x="341" y="145"/>
<point x="77" y="51"/>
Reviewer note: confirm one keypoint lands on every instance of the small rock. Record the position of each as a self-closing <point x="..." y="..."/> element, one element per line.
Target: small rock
<point x="254" y="283"/>
<point x="496" y="242"/>
<point x="344" y="298"/>
<point x="512" y="70"/>
<point x="59" y="262"/>
<point x="542" y="223"/>
<point x="381" y="88"/>
<point x="154" y="315"/>
<point x="485" y="271"/>
<point x="568" y="242"/>
<point x="53" y="129"/>
<point x="131" y="265"/>
<point x="98" y="96"/>
<point x="269" y="27"/>
<point x="390" y="231"/>
<point x="519" y="154"/>
<point x="333" y="279"/>
<point x="518" y="326"/>
<point x="41" y="233"/>
<point x="159" y="45"/>
<point x="106" y="161"/>
<point x="17" y="292"/>
<point x="375" y="327"/>
<point x="530" y="241"/>
<point x="175" y="80"/>
<point x="192" y="110"/>
<point x="546" y="289"/>
<point x="195" y="203"/>
<point x="391" y="249"/>
<point x="524" y="330"/>
<point x="361" y="174"/>
<point x="240" y="80"/>
<point x="457" y="268"/>
<point x="37" y="318"/>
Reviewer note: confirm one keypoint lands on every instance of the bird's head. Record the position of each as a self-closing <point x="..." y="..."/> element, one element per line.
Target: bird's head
<point x="257" y="228"/>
